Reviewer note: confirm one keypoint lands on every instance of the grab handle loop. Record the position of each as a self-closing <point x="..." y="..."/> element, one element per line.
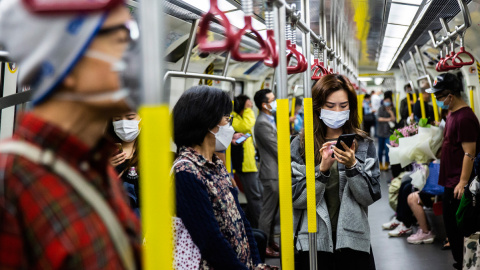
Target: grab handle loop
<point x="462" y="51"/>
<point x="293" y="52"/>
<point x="247" y="7"/>
<point x="318" y="69"/>
<point x="202" y="35"/>
<point x="272" y="59"/>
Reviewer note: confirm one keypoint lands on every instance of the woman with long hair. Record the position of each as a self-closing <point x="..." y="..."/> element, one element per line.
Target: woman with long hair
<point x="124" y="130"/>
<point x="346" y="182"/>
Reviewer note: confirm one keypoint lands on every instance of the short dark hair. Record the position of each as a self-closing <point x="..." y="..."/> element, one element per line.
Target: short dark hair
<point x="367" y="96"/>
<point x="407" y="86"/>
<point x="388" y="94"/>
<point x="239" y="103"/>
<point x="198" y="111"/>
<point x="261" y="97"/>
<point x="298" y="101"/>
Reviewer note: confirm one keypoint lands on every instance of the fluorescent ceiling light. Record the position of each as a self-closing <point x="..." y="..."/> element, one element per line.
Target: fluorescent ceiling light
<point x="204" y="5"/>
<point x="396" y="31"/>
<point x="365" y="79"/>
<point x="412" y="2"/>
<point x="389" y="50"/>
<point x="402" y="14"/>
<point x="391" y="42"/>
<point x="378" y="81"/>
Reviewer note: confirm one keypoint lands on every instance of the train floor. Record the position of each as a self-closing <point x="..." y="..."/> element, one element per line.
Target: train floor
<point x="396" y="253"/>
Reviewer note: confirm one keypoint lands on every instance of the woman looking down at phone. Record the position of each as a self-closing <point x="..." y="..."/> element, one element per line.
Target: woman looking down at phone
<point x="346" y="184"/>
<point x="243" y="157"/>
<point x="124" y="130"/>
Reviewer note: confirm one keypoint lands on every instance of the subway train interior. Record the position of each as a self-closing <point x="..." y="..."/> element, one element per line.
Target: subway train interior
<point x="393" y="54"/>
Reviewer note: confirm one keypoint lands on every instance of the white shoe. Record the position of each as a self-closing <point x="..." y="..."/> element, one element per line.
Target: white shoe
<point x="421" y="237"/>
<point x="400" y="230"/>
<point x="392" y="224"/>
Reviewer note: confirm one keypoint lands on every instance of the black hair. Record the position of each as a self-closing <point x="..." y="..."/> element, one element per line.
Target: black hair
<point x="240" y="103"/>
<point x="298" y="101"/>
<point x="367" y="96"/>
<point x="198" y="111"/>
<point x="388" y="94"/>
<point x="261" y="97"/>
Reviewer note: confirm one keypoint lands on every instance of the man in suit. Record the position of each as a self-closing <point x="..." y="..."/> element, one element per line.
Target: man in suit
<point x="265" y="132"/>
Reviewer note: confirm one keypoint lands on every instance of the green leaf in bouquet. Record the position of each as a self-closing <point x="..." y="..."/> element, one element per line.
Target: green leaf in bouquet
<point x="423" y="122"/>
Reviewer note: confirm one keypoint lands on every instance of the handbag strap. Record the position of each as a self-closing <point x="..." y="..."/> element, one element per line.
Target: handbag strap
<point x="84" y="189"/>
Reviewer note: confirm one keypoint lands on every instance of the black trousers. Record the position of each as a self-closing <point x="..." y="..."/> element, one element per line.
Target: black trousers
<point x="344" y="259"/>
<point x="404" y="213"/>
<point x="455" y="237"/>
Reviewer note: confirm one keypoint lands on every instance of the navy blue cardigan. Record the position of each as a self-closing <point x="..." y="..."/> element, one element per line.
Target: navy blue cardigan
<point x="196" y="212"/>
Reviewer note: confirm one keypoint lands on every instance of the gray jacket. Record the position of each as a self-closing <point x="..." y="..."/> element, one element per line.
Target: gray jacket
<point x="266" y="140"/>
<point x="359" y="187"/>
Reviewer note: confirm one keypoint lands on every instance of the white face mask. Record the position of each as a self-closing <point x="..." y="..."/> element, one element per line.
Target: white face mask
<point x="223" y="137"/>
<point x="334" y="119"/>
<point x="127" y="130"/>
<point x="272" y="104"/>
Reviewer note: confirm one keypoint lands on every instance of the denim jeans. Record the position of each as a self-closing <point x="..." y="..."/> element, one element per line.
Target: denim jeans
<point x="382" y="146"/>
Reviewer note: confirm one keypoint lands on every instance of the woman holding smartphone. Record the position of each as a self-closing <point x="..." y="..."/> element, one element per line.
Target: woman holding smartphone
<point x="243" y="158"/>
<point x="346" y="184"/>
<point x="125" y="130"/>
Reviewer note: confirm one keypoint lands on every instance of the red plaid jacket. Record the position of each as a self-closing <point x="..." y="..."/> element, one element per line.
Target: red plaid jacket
<point x="44" y="223"/>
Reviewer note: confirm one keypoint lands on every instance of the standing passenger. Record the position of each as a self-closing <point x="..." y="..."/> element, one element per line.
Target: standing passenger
<point x="64" y="208"/>
<point x="243" y="158"/>
<point x="460" y="146"/>
<point x="266" y="139"/>
<point x="345" y="185"/>
<point x="207" y="202"/>
<point x="386" y="116"/>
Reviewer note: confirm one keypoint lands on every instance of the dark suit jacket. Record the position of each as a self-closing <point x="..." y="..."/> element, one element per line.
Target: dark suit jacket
<point x="266" y="140"/>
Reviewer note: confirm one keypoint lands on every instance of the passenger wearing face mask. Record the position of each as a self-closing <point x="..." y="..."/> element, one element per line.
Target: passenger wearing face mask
<point x="386" y="122"/>
<point x="345" y="184"/>
<point x="125" y="130"/>
<point x="265" y="132"/>
<point x="207" y="202"/>
<point x="62" y="206"/>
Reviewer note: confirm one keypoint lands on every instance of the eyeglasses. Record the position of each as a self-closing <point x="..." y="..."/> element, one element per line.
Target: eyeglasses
<point x="441" y="97"/>
<point x="229" y="118"/>
<point x="130" y="26"/>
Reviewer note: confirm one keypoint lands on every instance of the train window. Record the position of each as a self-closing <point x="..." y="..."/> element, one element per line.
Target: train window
<point x="239" y="88"/>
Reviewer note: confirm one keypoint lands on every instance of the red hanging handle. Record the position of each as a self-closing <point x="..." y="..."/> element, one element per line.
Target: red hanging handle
<point x="462" y="63"/>
<point x="293" y="52"/>
<point x="272" y="59"/>
<point x="438" y="67"/>
<point x="215" y="46"/>
<point x="449" y="64"/>
<point x="264" y="49"/>
<point x="318" y="70"/>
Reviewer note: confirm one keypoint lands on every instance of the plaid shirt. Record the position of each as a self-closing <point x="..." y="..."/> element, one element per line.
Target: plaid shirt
<point x="44" y="222"/>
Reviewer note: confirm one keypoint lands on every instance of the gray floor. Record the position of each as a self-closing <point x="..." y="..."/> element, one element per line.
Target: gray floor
<point x="397" y="253"/>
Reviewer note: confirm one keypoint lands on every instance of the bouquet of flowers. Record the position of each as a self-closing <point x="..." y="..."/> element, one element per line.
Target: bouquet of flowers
<point x="406" y="131"/>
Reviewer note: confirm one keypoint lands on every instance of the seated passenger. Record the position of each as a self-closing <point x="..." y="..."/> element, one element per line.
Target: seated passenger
<point x="206" y="201"/>
<point x="64" y="208"/>
<point x="343" y="234"/>
<point x="416" y="201"/>
<point x="124" y="131"/>
<point x="402" y="223"/>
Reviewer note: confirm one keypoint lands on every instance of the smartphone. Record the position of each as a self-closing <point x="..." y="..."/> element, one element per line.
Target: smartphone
<point x="243" y="138"/>
<point x="119" y="147"/>
<point x="347" y="139"/>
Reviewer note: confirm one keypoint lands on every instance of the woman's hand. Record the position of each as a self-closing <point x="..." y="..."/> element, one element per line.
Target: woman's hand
<point x="118" y="159"/>
<point x="327" y="160"/>
<point x="346" y="157"/>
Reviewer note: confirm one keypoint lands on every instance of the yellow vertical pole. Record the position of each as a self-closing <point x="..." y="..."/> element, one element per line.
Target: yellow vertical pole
<point x="422" y="105"/>
<point x="310" y="163"/>
<point x="156" y="160"/>
<point x="435" y="108"/>
<point x="285" y="183"/>
<point x="397" y="105"/>
<point x="472" y="103"/>
<point x="360" y="108"/>
<point x="414" y="95"/>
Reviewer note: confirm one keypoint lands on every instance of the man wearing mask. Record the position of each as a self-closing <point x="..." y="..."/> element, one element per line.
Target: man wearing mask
<point x="460" y="146"/>
<point x="265" y="132"/>
<point x="61" y="205"/>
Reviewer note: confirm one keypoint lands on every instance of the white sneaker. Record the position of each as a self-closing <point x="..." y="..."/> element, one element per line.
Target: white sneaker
<point x="400" y="230"/>
<point x="392" y="224"/>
